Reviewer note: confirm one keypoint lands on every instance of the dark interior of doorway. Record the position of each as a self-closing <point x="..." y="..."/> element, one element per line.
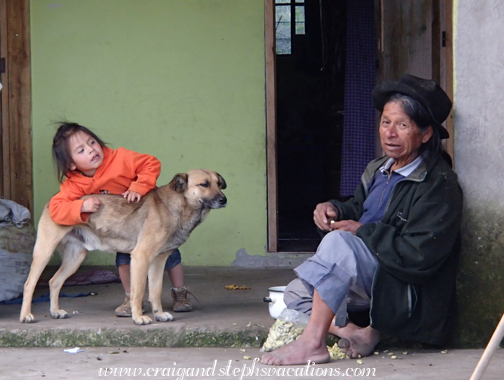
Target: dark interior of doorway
<point x="310" y="94"/>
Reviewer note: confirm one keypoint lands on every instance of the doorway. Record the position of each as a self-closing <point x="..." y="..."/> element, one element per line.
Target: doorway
<point x="308" y="139"/>
<point x="310" y="78"/>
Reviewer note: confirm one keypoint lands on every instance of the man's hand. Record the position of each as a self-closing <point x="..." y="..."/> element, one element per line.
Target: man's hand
<point x="323" y="214"/>
<point x="131" y="196"/>
<point x="346" y="225"/>
<point x="91" y="205"/>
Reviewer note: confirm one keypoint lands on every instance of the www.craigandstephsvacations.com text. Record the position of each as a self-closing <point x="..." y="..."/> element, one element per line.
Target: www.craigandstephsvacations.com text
<point x="240" y="372"/>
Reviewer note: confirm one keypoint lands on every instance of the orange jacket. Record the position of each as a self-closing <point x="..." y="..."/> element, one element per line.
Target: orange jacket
<point x="121" y="170"/>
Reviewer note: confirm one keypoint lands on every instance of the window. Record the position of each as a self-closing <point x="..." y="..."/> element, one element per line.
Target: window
<point x="289" y="21"/>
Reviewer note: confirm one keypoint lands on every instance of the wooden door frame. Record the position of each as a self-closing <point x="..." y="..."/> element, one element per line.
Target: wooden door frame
<point x="271" y="137"/>
<point x="446" y="64"/>
<point x="443" y="54"/>
<point x="16" y="171"/>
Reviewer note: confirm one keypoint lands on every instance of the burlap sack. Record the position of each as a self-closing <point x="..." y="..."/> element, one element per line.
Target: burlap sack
<point x="16" y="249"/>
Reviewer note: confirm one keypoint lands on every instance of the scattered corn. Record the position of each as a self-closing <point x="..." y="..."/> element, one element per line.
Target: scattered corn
<point x="280" y="334"/>
<point x="336" y="353"/>
<point x="235" y="287"/>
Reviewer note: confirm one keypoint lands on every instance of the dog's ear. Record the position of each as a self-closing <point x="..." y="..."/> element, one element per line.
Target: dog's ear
<point x="179" y="182"/>
<point x="222" y="182"/>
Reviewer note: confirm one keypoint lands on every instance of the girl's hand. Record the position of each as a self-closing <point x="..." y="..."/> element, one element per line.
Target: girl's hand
<point x="323" y="214"/>
<point x="91" y="205"/>
<point x="131" y="196"/>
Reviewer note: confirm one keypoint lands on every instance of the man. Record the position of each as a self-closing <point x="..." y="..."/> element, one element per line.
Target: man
<point x="393" y="246"/>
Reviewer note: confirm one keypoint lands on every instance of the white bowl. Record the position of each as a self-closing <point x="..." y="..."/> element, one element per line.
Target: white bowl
<point x="275" y="300"/>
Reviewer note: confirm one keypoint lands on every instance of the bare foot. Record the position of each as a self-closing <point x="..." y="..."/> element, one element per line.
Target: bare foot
<point x="300" y="351"/>
<point x="360" y="343"/>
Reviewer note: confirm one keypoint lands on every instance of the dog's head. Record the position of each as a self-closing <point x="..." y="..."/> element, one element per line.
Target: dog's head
<point x="201" y="187"/>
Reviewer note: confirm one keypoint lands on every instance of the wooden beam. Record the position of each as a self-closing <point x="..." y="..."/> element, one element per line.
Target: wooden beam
<point x="4" y="120"/>
<point x="447" y="14"/>
<point x="16" y="103"/>
<point x="436" y="41"/>
<point x="269" y="36"/>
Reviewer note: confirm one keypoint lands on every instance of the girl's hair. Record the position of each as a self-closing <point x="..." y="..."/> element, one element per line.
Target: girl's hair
<point x="422" y="118"/>
<point x="61" y="155"/>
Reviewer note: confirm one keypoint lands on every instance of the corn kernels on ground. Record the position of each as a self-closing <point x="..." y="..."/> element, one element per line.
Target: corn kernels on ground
<point x="280" y="334"/>
<point x="336" y="353"/>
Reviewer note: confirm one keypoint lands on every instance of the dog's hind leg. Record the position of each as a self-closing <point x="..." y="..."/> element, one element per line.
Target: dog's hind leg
<point x="73" y="255"/>
<point x="49" y="234"/>
<point x="156" y="270"/>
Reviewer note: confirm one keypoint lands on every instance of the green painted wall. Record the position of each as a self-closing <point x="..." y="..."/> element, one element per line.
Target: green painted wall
<point x="182" y="80"/>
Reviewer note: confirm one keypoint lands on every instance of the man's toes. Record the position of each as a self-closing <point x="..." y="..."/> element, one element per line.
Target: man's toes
<point x="267" y="359"/>
<point x="344" y="343"/>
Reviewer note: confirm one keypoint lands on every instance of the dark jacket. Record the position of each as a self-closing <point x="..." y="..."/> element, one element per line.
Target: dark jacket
<point x="416" y="244"/>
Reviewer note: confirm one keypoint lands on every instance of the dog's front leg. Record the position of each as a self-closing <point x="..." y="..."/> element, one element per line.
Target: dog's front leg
<point x="140" y="261"/>
<point x="156" y="270"/>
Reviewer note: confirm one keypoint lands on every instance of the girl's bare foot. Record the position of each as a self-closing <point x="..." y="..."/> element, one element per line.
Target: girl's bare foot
<point x="361" y="342"/>
<point x="300" y="351"/>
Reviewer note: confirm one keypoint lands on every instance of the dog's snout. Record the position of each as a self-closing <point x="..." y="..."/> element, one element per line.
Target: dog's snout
<point x="222" y="200"/>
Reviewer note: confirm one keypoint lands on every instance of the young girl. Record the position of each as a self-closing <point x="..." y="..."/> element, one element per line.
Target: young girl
<point x="86" y="166"/>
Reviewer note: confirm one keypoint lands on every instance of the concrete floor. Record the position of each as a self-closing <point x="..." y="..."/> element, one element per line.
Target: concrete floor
<point x="224" y="327"/>
<point x="221" y="318"/>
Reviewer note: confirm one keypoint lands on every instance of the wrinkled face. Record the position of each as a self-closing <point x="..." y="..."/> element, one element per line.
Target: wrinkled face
<point x="86" y="153"/>
<point x="205" y="188"/>
<point x="400" y="137"/>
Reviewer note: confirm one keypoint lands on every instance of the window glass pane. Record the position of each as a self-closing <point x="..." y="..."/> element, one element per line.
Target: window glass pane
<point x="282" y="1"/>
<point x="283" y="39"/>
<point x="300" y="20"/>
<point x="283" y="30"/>
<point x="282" y="14"/>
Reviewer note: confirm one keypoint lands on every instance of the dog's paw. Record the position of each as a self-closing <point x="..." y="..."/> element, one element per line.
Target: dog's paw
<point x="164" y="317"/>
<point x="59" y="314"/>
<point x="27" y="318"/>
<point x="142" y="320"/>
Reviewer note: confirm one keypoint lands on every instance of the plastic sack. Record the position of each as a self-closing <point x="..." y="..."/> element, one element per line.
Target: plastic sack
<point x="289" y="325"/>
<point x="16" y="247"/>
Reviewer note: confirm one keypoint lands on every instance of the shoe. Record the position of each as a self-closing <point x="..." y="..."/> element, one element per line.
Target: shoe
<point x="125" y="309"/>
<point x="181" y="299"/>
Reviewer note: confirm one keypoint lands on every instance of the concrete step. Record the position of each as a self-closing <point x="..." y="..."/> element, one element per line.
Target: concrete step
<point x="222" y="318"/>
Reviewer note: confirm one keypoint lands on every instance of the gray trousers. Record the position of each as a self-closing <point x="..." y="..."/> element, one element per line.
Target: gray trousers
<point x="341" y="271"/>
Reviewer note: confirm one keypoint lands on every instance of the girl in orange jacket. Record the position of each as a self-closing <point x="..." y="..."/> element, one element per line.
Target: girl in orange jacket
<point x="85" y="166"/>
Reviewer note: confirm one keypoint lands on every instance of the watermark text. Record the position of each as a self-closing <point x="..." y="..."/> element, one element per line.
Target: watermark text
<point x="237" y="372"/>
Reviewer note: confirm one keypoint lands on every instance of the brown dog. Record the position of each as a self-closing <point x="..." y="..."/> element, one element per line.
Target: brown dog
<point x="150" y="229"/>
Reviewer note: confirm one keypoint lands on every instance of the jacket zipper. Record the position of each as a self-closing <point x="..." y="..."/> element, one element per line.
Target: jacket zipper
<point x="393" y="190"/>
<point x="410" y="301"/>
